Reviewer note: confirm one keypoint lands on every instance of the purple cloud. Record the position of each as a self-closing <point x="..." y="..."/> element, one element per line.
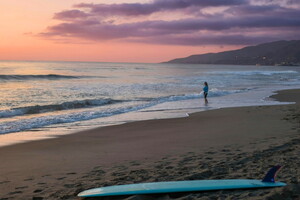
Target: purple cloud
<point x="135" y="9"/>
<point x="70" y="15"/>
<point x="225" y="25"/>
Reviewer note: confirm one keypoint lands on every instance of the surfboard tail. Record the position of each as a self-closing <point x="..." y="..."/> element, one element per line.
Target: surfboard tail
<point x="270" y="176"/>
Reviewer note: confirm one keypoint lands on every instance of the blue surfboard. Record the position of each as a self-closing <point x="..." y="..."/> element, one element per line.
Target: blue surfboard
<point x="185" y="186"/>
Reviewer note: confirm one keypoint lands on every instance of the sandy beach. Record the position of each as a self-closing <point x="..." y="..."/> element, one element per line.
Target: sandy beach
<point x="218" y="144"/>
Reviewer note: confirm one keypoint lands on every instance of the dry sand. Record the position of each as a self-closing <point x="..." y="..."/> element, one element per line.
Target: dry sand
<point x="218" y="144"/>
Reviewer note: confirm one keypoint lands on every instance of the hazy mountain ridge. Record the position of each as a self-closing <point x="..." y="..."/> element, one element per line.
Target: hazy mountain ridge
<point x="273" y="53"/>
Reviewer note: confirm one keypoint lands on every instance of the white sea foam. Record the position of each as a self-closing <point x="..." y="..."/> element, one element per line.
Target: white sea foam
<point x="55" y="107"/>
<point x="38" y="122"/>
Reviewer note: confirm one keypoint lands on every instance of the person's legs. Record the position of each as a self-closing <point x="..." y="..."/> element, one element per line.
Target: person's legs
<point x="205" y="97"/>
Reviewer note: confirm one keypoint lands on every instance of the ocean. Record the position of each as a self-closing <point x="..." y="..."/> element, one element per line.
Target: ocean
<point x="46" y="99"/>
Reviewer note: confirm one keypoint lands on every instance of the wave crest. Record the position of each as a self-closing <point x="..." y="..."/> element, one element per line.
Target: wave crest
<point x="55" y="107"/>
<point x="33" y="77"/>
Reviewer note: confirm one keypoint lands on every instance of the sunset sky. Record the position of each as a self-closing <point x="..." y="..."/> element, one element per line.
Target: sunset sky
<point x="140" y="30"/>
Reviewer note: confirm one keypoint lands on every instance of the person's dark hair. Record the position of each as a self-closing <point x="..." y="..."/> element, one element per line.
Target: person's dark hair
<point x="205" y="83"/>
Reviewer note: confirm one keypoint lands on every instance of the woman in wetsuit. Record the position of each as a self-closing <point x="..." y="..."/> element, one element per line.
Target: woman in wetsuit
<point x="205" y="91"/>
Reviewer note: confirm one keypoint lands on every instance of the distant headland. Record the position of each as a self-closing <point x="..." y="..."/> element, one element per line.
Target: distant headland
<point x="281" y="53"/>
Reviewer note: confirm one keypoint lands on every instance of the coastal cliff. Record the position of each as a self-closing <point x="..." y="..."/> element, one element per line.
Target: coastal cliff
<point x="274" y="53"/>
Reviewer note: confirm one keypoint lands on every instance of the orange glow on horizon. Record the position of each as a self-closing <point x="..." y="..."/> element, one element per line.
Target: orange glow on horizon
<point x="122" y="52"/>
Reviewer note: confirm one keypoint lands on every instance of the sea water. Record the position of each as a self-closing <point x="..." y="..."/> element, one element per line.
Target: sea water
<point x="45" y="99"/>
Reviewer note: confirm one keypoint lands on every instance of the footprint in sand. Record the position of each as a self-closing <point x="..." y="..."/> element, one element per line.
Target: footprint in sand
<point x="37" y="191"/>
<point x="98" y="172"/>
<point x="21" y="187"/>
<point x="69" y="185"/>
<point x="37" y="198"/>
<point x="29" y="179"/>
<point x="15" y="192"/>
<point x="71" y="173"/>
<point x="134" y="163"/>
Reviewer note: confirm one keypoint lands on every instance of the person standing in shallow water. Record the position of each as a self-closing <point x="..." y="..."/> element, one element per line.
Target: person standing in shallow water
<point x="205" y="91"/>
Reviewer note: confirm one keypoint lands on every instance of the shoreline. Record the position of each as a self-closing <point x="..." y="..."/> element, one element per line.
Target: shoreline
<point x="227" y="137"/>
<point x="7" y="138"/>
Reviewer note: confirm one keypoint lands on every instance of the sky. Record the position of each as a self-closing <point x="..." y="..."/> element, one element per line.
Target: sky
<point x="140" y="30"/>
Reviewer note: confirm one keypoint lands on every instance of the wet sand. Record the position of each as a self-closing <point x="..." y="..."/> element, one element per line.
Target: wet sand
<point x="218" y="144"/>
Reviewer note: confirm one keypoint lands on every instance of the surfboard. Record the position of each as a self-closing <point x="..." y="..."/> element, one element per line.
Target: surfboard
<point x="185" y="186"/>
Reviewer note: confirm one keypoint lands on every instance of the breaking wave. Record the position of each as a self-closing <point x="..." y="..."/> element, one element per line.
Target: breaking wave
<point x="55" y="107"/>
<point x="34" y="77"/>
<point x="38" y="122"/>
